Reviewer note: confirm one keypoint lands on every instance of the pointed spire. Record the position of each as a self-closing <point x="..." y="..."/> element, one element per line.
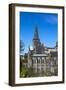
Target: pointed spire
<point x="36" y="36"/>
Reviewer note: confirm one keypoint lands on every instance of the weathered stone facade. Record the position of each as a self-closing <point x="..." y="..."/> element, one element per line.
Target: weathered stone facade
<point x="41" y="58"/>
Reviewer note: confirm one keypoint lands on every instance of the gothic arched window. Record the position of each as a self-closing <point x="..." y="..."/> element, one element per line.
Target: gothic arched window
<point x="38" y="60"/>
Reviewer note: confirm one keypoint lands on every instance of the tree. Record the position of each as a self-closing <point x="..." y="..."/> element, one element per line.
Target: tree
<point x="21" y="46"/>
<point x="21" y="50"/>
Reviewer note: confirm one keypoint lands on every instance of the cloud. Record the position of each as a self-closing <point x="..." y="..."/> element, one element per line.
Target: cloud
<point x="52" y="19"/>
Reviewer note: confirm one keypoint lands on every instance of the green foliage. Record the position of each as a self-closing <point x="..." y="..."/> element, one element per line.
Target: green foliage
<point x="30" y="73"/>
<point x="24" y="72"/>
<point x="25" y="60"/>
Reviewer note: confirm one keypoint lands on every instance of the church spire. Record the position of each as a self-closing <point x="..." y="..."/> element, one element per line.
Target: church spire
<point x="36" y="36"/>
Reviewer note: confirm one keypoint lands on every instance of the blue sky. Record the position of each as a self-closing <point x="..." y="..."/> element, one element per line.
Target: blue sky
<point x="47" y="24"/>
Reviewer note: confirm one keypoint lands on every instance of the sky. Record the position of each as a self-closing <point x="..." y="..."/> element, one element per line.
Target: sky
<point x="47" y="24"/>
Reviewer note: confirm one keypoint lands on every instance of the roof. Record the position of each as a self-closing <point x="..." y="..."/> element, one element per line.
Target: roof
<point x="41" y="55"/>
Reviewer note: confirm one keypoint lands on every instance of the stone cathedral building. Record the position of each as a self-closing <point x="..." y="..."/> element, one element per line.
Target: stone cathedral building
<point x="42" y="58"/>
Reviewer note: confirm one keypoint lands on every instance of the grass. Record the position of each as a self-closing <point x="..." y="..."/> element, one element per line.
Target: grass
<point x="25" y="72"/>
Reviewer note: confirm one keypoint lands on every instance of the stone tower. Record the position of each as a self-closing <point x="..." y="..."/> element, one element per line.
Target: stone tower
<point x="36" y="36"/>
<point x="38" y="47"/>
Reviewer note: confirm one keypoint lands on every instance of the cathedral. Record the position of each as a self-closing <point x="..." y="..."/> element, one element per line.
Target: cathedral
<point x="42" y="58"/>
